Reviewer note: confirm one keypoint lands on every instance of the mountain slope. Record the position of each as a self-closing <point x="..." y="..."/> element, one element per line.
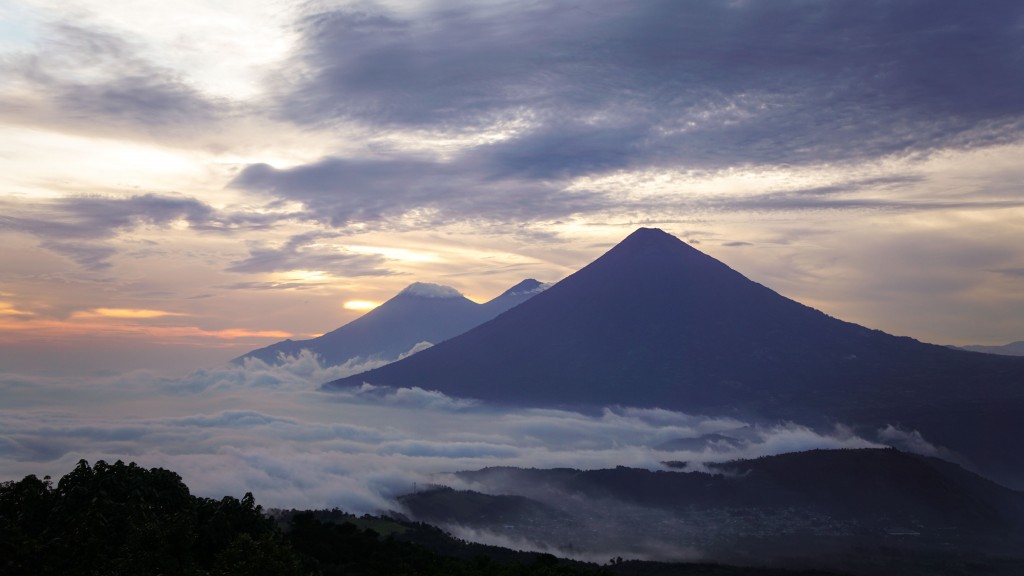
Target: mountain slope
<point x="420" y="313"/>
<point x="656" y="323"/>
<point x="868" y="511"/>
<point x="932" y="492"/>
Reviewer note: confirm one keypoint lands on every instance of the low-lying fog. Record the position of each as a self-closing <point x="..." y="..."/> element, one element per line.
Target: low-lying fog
<point x="269" y="430"/>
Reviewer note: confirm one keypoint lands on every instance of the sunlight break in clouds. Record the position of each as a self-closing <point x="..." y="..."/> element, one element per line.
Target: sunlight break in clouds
<point x="361" y="304"/>
<point x="7" y="309"/>
<point x="133" y="313"/>
<point x="56" y="329"/>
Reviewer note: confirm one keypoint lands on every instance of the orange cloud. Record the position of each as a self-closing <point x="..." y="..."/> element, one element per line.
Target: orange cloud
<point x="8" y="309"/>
<point x="92" y="325"/>
<point x="237" y="333"/>
<point x="131" y="313"/>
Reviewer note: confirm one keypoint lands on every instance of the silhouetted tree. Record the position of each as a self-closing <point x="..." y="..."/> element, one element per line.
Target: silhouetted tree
<point x="124" y="519"/>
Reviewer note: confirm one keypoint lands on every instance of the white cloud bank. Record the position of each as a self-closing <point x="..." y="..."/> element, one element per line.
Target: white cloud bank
<point x="268" y="430"/>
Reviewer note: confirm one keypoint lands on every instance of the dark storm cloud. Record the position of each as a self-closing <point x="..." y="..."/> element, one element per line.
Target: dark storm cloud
<point x="90" y="78"/>
<point x="302" y="252"/>
<point x="598" y="87"/>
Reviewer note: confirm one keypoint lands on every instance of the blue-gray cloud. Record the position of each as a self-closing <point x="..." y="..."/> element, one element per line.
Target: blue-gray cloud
<point x="92" y="257"/>
<point x="603" y="86"/>
<point x="77" y="226"/>
<point x="338" y="191"/>
<point x="300" y="252"/>
<point x="845" y="196"/>
<point x="87" y="78"/>
<point x="271" y="285"/>
<point x="98" y="217"/>
<point x="697" y="83"/>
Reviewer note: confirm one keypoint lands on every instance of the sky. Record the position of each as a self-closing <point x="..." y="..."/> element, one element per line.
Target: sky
<point x="181" y="183"/>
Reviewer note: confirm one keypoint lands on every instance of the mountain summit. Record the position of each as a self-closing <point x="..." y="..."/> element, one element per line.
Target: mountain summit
<point x="655" y="322"/>
<point x="428" y="290"/>
<point x="421" y="312"/>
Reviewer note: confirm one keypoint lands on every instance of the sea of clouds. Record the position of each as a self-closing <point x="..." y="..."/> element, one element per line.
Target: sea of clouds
<point x="269" y="429"/>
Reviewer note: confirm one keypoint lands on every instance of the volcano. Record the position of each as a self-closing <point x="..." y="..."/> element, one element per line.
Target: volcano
<point x="422" y="312"/>
<point x="656" y="323"/>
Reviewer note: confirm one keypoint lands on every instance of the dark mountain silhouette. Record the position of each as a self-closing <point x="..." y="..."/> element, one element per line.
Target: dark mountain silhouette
<point x="420" y="313"/>
<point x="713" y="442"/>
<point x="444" y="505"/>
<point x="828" y="506"/>
<point x="875" y="487"/>
<point x="656" y="323"/>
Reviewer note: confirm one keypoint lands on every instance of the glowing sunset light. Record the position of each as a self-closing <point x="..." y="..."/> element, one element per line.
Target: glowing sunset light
<point x="403" y="254"/>
<point x="361" y="305"/>
<point x="6" y="309"/>
<point x="22" y="330"/>
<point x="234" y="333"/>
<point x="125" y="313"/>
<point x="304" y="276"/>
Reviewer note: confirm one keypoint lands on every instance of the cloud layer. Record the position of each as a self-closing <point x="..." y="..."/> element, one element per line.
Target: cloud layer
<point x="543" y="95"/>
<point x="266" y="429"/>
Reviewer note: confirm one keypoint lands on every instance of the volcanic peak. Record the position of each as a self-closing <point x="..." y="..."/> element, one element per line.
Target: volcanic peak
<point x="528" y="286"/>
<point x="428" y="290"/>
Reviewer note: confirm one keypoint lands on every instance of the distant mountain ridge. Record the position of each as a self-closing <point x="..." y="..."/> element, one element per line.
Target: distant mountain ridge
<point x="903" y="486"/>
<point x="656" y="323"/>
<point x="1011" y="349"/>
<point x="829" y="506"/>
<point x="422" y="312"/>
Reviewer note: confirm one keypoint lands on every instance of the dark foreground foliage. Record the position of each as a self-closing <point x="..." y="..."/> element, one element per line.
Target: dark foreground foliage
<point x="121" y="519"/>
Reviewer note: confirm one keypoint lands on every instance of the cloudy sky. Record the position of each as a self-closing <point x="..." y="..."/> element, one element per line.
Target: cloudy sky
<point x="186" y="181"/>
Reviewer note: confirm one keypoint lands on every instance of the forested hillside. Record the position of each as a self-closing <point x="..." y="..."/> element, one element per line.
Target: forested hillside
<point x="121" y="519"/>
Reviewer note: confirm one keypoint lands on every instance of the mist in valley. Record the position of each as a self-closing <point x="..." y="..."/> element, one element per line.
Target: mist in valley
<point x="269" y="429"/>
